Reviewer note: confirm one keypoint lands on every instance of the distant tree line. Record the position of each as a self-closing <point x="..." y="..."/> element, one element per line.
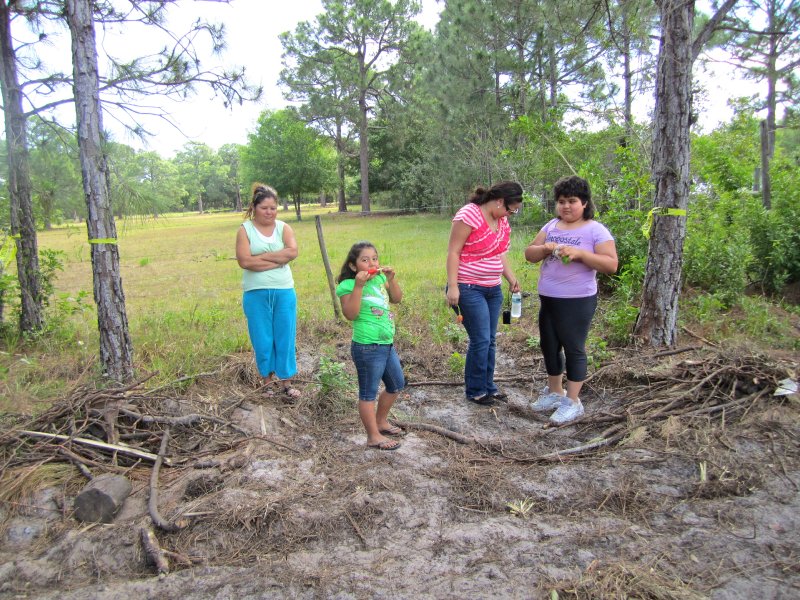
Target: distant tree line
<point x="388" y="112"/>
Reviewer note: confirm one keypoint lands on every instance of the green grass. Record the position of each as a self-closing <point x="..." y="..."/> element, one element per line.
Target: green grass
<point x="183" y="293"/>
<point x="183" y="299"/>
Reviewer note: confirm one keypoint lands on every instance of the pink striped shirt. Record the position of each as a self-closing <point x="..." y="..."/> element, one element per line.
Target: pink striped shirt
<point x="480" y="261"/>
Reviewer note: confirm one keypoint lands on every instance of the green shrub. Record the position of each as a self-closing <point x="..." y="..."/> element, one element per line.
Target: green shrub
<point x="717" y="251"/>
<point x="776" y="233"/>
<point x="619" y="314"/>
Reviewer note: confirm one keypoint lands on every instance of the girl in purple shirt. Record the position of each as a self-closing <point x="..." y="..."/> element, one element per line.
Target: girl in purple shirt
<point x="573" y="248"/>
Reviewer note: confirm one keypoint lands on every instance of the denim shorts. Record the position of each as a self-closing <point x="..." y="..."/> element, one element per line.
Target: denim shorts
<point x="376" y="363"/>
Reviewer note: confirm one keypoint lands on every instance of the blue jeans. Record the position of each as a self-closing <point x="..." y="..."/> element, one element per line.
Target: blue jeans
<point x="376" y="362"/>
<point x="272" y="323"/>
<point x="480" y="307"/>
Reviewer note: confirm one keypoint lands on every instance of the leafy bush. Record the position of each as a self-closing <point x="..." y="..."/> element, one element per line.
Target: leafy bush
<point x="776" y="233"/>
<point x="619" y="314"/>
<point x="717" y="251"/>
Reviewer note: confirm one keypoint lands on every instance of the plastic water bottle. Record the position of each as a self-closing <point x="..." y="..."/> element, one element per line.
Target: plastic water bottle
<point x="516" y="305"/>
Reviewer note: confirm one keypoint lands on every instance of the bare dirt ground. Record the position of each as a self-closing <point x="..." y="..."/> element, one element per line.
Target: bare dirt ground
<point x="680" y="482"/>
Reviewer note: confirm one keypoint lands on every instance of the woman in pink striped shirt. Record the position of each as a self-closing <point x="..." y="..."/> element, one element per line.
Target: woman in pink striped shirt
<point x="476" y="260"/>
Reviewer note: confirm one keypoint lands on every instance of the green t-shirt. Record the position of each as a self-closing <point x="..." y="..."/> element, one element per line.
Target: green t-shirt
<point x="375" y="322"/>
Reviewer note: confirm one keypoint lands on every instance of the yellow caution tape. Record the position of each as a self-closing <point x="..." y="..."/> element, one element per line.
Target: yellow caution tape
<point x="661" y="211"/>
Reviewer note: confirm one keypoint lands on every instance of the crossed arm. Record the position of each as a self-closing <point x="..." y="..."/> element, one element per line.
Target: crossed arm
<point x="267" y="260"/>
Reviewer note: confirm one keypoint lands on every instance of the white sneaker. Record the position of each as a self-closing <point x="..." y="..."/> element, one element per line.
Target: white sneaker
<point x="567" y="412"/>
<point x="547" y="401"/>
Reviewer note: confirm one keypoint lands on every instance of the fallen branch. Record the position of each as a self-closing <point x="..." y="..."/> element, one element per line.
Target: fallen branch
<point x="122" y="449"/>
<point x="153" y="551"/>
<point x="698" y="337"/>
<point x="608" y="366"/>
<point x="579" y="449"/>
<point x="676" y="351"/>
<point x="152" y="503"/>
<point x="171" y="421"/>
<point x="458" y="437"/>
<point x="179" y="380"/>
<point x="357" y="529"/>
<point x="79" y="463"/>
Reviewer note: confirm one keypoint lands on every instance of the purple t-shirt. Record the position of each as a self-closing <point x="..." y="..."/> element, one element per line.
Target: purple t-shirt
<point x="575" y="279"/>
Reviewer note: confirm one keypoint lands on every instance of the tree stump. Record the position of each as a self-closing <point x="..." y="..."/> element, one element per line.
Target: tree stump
<point x="101" y="499"/>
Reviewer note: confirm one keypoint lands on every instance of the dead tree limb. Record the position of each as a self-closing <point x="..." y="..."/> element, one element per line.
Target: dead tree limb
<point x="675" y="351"/>
<point x="153" y="551"/>
<point x="152" y="503"/>
<point x="579" y="449"/>
<point x="699" y="337"/>
<point x="180" y="380"/>
<point x="94" y="444"/>
<point x="79" y="462"/>
<point x="357" y="529"/>
<point x="458" y="437"/>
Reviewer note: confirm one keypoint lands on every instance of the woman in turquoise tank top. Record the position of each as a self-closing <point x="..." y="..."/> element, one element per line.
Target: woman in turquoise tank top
<point x="264" y="248"/>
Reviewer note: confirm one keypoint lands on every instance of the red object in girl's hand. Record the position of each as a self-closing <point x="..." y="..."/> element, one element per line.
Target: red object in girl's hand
<point x="372" y="271"/>
<point x="459" y="318"/>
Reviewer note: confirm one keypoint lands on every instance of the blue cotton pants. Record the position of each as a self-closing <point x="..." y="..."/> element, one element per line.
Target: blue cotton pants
<point x="272" y="325"/>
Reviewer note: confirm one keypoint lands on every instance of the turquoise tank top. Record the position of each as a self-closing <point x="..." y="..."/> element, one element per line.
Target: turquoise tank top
<point x="278" y="279"/>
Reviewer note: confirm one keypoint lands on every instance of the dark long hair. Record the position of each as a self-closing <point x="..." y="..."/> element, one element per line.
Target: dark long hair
<point x="578" y="187"/>
<point x="510" y="192"/>
<point x="347" y="271"/>
<point x="258" y="193"/>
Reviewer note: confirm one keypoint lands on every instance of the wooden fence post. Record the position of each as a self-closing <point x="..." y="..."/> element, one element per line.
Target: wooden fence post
<point x="327" y="264"/>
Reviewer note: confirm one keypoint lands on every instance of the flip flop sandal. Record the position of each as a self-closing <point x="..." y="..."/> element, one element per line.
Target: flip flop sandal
<point x="386" y="445"/>
<point x="394" y="431"/>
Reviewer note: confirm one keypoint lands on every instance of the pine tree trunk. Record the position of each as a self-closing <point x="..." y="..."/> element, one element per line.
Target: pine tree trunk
<point x="363" y="135"/>
<point x="112" y="321"/>
<point x="23" y="225"/>
<point x="766" y="182"/>
<point x="340" y="160"/>
<point x="768" y="128"/>
<point x="658" y="316"/>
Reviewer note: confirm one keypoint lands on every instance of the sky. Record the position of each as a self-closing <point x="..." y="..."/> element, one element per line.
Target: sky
<point x="253" y="28"/>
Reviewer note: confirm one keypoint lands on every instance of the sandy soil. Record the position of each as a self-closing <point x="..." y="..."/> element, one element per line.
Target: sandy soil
<point x="694" y="507"/>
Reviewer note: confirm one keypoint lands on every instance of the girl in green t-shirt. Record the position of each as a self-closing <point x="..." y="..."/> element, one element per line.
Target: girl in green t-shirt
<point x="365" y="290"/>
